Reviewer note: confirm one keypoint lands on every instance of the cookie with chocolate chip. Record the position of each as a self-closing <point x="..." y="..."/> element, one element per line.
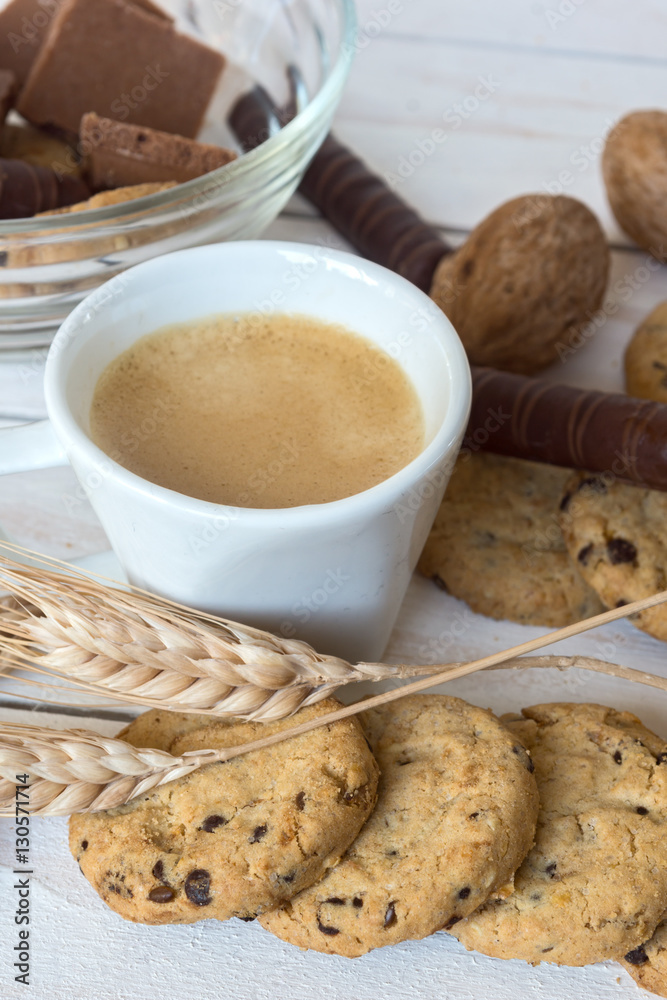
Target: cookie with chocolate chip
<point x="646" y="358"/>
<point x="647" y="964"/>
<point x="456" y="811"/>
<point x="616" y="535"/>
<point x="234" y="838"/>
<point x="594" y="886"/>
<point x="497" y="545"/>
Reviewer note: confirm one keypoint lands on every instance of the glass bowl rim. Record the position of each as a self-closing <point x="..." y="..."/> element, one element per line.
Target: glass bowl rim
<point x="80" y="222"/>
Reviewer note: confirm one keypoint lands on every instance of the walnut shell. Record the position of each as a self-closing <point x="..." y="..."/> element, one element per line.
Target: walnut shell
<point x="634" y="166"/>
<point x="531" y="274"/>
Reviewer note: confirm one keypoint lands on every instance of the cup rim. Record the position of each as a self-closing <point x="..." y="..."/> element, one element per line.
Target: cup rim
<point x="447" y="435"/>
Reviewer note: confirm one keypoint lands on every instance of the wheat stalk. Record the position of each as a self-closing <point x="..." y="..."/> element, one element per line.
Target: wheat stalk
<point x="75" y="770"/>
<point x="134" y="647"/>
<point x="80" y="771"/>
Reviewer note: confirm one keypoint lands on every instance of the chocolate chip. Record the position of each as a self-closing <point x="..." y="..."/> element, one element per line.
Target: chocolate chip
<point x="585" y="553"/>
<point x="212" y="823"/>
<point x="661" y="758"/>
<point x="545" y="950"/>
<point x="468" y="267"/>
<point x="551" y="869"/>
<point x="84" y="845"/>
<point x="247" y="919"/>
<point x="642" y="810"/>
<point x="473" y="815"/>
<point x="565" y="501"/>
<point x="450" y="923"/>
<point x="354" y="795"/>
<point x="594" y="484"/>
<point x="659" y="365"/>
<point x="197" y="887"/>
<point x="300" y="801"/>
<point x="392" y="854"/>
<point x="536" y="896"/>
<point x="439" y="582"/>
<point x="618" y="757"/>
<point x="287" y="878"/>
<point x="158" y="870"/>
<point x="161" y="894"/>
<point x="390" y="917"/>
<point x="335" y="901"/>
<point x="621" y="602"/>
<point x="621" y="551"/>
<point x="331" y="931"/>
<point x="358" y="902"/>
<point x="465" y="892"/>
<point x="527" y="759"/>
<point x="637" y="956"/>
<point x="257" y="834"/>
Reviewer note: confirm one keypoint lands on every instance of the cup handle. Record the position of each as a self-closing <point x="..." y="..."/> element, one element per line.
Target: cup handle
<point x="30" y="446"/>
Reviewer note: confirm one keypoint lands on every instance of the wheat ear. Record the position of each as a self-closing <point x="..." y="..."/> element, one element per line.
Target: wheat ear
<point x="75" y="770"/>
<point x="80" y="771"/>
<point x="134" y="647"/>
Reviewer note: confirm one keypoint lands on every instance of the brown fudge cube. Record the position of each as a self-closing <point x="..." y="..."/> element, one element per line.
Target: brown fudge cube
<point x="24" y="24"/>
<point x="111" y="57"/>
<point x="118" y="155"/>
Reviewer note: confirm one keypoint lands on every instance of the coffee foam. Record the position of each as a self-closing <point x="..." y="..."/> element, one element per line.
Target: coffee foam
<point x="258" y="411"/>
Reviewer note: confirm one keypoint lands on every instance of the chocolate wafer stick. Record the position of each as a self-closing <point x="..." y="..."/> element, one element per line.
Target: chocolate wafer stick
<point x="602" y="432"/>
<point x="371" y="217"/>
<point x="26" y="189"/>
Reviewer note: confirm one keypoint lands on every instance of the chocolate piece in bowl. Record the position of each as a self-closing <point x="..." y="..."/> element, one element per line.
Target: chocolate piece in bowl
<point x="26" y="189"/>
<point x="39" y="147"/>
<point x="120" y="154"/>
<point x="24" y="24"/>
<point x="117" y="59"/>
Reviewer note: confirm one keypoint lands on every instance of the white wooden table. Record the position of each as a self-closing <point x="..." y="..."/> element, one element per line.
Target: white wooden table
<point x="554" y="76"/>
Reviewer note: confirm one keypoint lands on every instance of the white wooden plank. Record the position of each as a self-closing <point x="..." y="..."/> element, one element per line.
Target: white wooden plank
<point x="535" y="120"/>
<point x="627" y="31"/>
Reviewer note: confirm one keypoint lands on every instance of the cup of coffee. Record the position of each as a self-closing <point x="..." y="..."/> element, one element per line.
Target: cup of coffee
<point x="265" y="431"/>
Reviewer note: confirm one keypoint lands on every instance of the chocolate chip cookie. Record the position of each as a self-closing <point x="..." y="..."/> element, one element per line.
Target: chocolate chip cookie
<point x="594" y="886"/>
<point x="497" y="544"/>
<point x="616" y="534"/>
<point x="235" y="838"/>
<point x="646" y="358"/>
<point x="456" y="813"/>
<point x="647" y="964"/>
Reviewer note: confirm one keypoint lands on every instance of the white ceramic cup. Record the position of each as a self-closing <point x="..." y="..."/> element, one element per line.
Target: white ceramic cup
<point x="335" y="573"/>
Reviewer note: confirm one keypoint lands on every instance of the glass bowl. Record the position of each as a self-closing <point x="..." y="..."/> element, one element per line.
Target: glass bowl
<point x="299" y="52"/>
